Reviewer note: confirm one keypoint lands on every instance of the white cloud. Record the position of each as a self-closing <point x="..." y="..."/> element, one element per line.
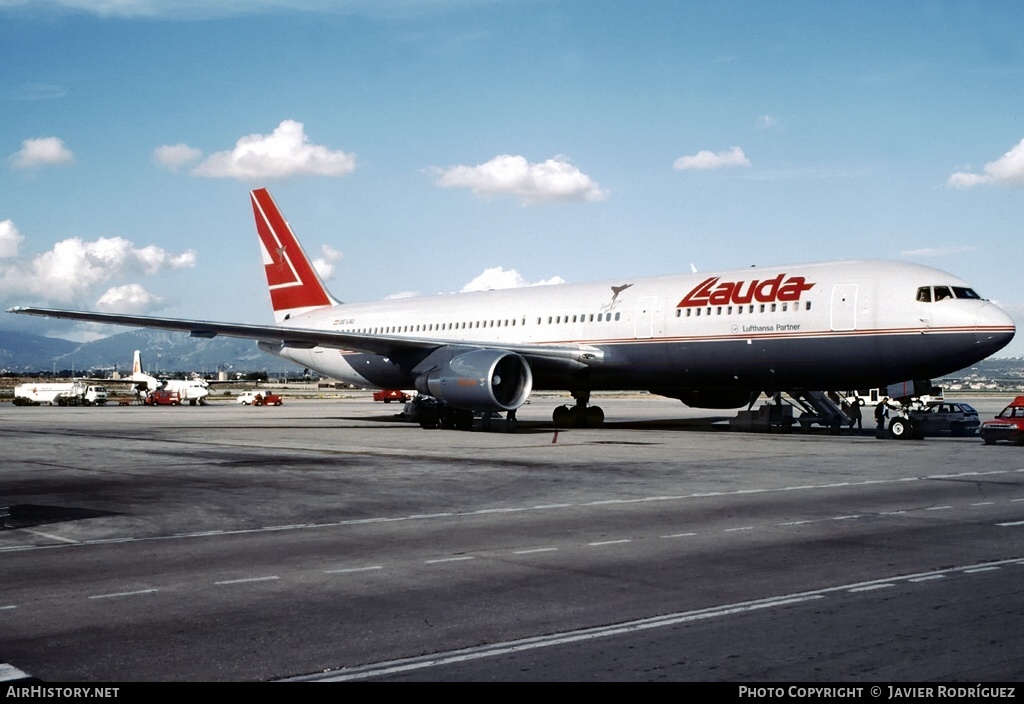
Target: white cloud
<point x="931" y="252"/>
<point x="130" y="298"/>
<point x="497" y="278"/>
<point x="324" y="264"/>
<point x="174" y="156"/>
<point x="45" y="151"/>
<point x="286" y="152"/>
<point x="709" y="160"/>
<point x="766" y="122"/>
<point x="1007" y="170"/>
<point x="10" y="238"/>
<point x="555" y="180"/>
<point x="71" y="271"/>
<point x="402" y="294"/>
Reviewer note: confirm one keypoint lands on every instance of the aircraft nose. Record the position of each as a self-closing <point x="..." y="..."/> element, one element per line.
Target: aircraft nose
<point x="994" y="327"/>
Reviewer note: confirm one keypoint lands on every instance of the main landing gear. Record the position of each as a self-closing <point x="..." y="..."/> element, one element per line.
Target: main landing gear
<point x="579" y="416"/>
<point x="432" y="414"/>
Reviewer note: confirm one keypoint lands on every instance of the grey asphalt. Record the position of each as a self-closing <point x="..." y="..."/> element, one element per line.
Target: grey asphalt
<point x="326" y="539"/>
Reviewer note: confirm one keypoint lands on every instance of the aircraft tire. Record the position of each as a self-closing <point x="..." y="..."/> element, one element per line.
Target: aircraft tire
<point x="562" y="417"/>
<point x="594" y="417"/>
<point x="900" y="429"/>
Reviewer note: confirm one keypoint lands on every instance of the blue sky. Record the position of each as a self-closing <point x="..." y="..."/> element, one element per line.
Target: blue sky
<point x="416" y="146"/>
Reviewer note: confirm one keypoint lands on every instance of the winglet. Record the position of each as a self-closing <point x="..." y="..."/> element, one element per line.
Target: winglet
<point x="295" y="287"/>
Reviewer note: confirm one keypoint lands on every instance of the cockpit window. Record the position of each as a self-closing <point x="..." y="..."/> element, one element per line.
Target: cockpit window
<point x="927" y="294"/>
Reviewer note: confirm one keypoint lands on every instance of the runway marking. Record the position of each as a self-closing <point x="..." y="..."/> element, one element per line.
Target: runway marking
<point x="844" y="518"/>
<point x="984" y="503"/>
<point x="509" y="647"/>
<point x="349" y="570"/>
<point x="66" y="542"/>
<point x="8" y="608"/>
<point x="679" y="535"/>
<point x="248" y="579"/>
<point x="609" y="542"/>
<point x="1011" y="524"/>
<point x="449" y="559"/>
<point x="118" y="594"/>
<point x="980" y="569"/>
<point x="391" y="667"/>
<point x="733" y="530"/>
<point x="9" y="673"/>
<point x="533" y="550"/>
<point x="51" y="536"/>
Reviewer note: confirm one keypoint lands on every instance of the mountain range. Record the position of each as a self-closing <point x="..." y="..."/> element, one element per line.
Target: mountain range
<point x="162" y="352"/>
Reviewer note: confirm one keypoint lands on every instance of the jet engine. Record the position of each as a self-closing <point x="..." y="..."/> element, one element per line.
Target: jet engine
<point x="480" y="380"/>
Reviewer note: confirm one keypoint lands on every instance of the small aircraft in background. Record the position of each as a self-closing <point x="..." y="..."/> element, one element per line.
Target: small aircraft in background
<point x="192" y="390"/>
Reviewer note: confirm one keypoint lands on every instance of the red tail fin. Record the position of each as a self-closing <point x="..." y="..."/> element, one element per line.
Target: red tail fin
<point x="294" y="284"/>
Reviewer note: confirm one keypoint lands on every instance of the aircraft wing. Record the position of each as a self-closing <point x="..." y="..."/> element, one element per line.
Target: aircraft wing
<point x="407" y="352"/>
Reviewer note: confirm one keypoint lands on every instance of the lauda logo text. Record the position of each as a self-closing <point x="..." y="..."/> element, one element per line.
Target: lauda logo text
<point x="712" y="293"/>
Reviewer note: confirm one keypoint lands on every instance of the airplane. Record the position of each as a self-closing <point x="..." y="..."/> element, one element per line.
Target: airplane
<point x="712" y="340"/>
<point x="192" y="390"/>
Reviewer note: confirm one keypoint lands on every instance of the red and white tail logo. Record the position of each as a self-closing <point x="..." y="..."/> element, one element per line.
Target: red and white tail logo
<point x="294" y="284"/>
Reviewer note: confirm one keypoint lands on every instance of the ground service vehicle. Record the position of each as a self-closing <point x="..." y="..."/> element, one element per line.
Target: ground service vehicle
<point x="74" y="393"/>
<point x="259" y="398"/>
<point x="389" y="395"/>
<point x="1008" y="425"/>
<point x="163" y="398"/>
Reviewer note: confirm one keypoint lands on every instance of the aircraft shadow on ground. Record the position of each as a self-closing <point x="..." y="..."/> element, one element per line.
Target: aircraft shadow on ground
<point x="32" y="515"/>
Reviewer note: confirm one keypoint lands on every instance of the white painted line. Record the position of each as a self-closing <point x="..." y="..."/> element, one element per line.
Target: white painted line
<point x="51" y="536"/>
<point x="448" y="559"/>
<point x="117" y="594"/>
<point x="843" y="518"/>
<point x="938" y="508"/>
<point x="733" y="530"/>
<point x="981" y="569"/>
<point x="484" y="651"/>
<point x="984" y="503"/>
<point x="530" y="552"/>
<point x="9" y="673"/>
<point x="1011" y="524"/>
<point x="679" y="535"/>
<point x="927" y="578"/>
<point x="794" y="523"/>
<point x="7" y="608"/>
<point x="248" y="579"/>
<point x="349" y="570"/>
<point x="610" y="542"/>
<point x="871" y="587"/>
<point x="546" y="506"/>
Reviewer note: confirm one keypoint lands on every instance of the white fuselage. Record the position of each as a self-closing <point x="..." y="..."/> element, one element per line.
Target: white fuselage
<point x="828" y="325"/>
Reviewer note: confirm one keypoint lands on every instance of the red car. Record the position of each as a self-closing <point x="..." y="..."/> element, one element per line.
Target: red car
<point x="1008" y="425"/>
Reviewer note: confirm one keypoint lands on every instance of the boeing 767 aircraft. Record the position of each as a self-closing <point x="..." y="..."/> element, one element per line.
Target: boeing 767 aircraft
<point x="712" y="340"/>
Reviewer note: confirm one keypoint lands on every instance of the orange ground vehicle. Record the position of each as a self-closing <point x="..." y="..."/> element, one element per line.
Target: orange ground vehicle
<point x="389" y="395"/>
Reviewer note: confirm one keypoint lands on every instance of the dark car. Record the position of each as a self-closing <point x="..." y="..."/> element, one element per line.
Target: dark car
<point x="958" y="419"/>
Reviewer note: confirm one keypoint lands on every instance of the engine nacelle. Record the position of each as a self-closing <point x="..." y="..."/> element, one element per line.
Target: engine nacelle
<point x="480" y="380"/>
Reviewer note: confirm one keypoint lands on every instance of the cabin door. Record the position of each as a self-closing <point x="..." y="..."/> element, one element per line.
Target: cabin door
<point x="643" y="321"/>
<point x="844" y="307"/>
